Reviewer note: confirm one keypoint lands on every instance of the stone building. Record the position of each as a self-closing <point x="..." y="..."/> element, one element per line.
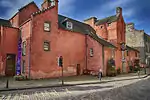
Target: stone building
<point x="139" y="40"/>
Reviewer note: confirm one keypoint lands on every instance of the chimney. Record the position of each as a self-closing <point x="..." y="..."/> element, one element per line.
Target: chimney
<point x="48" y="3"/>
<point x="91" y="21"/>
<point x="118" y="11"/>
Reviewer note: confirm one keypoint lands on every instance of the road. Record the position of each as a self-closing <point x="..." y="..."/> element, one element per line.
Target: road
<point x="136" y="89"/>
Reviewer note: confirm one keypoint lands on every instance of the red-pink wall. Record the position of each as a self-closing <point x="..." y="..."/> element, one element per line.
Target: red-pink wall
<point x="26" y="34"/>
<point x="96" y="62"/>
<point x="9" y="44"/>
<point x="26" y="12"/>
<point x="15" y="20"/>
<point x="68" y="44"/>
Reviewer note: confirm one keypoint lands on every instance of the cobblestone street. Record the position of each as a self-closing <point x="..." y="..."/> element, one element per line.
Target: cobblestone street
<point x="136" y="89"/>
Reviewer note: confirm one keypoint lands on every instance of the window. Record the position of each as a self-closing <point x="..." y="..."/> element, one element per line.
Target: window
<point x="136" y="54"/>
<point x="127" y="53"/>
<point x="69" y="25"/>
<point x="52" y="2"/>
<point x="47" y="26"/>
<point x="23" y="66"/>
<point x="91" y="52"/>
<point x="101" y="26"/>
<point x="109" y="24"/>
<point x="113" y="53"/>
<point x="24" y="48"/>
<point x="46" y="46"/>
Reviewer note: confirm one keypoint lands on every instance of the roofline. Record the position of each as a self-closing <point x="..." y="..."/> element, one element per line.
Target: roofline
<point x="4" y="19"/>
<point x="132" y="48"/>
<point x="10" y="27"/>
<point x="25" y="22"/>
<point x="89" y="18"/>
<point x="13" y="15"/>
<point x="32" y="2"/>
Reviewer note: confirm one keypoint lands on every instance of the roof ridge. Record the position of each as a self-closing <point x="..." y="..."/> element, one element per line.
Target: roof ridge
<point x="43" y="10"/>
<point x="106" y="17"/>
<point x="26" y="5"/>
<point x="4" y="19"/>
<point x="75" y="20"/>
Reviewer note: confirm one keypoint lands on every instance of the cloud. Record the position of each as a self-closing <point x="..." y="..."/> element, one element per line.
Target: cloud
<point x="11" y="7"/>
<point x="108" y="8"/>
<point x="66" y="6"/>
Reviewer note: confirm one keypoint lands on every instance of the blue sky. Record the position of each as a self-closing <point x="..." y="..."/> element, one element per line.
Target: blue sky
<point x="136" y="11"/>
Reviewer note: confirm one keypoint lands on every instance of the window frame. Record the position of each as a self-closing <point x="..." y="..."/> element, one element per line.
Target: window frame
<point x="24" y="44"/>
<point x="23" y="66"/>
<point x="91" y="52"/>
<point x="48" y="45"/>
<point x="71" y="25"/>
<point x="53" y="2"/>
<point x="49" y="23"/>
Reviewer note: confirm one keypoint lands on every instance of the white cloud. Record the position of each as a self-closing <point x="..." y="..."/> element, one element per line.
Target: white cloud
<point x="66" y="6"/>
<point x="109" y="8"/>
<point x="12" y="6"/>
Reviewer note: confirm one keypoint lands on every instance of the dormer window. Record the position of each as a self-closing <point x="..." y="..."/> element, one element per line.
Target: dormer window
<point x="47" y="26"/>
<point x="52" y="2"/>
<point x="69" y="25"/>
<point x="109" y="24"/>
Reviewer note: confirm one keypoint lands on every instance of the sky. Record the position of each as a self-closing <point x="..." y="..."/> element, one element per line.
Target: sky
<point x="136" y="11"/>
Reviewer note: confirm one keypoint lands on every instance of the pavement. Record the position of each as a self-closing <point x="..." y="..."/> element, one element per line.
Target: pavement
<point x="68" y="81"/>
<point x="134" y="89"/>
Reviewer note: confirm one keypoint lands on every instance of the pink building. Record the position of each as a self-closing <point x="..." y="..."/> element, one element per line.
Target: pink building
<point x="44" y="35"/>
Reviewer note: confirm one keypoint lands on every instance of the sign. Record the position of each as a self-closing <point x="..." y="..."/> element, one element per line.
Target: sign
<point x="123" y="47"/>
<point x="18" y="66"/>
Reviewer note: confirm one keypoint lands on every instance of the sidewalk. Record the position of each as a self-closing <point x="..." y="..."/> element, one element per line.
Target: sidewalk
<point x="68" y="81"/>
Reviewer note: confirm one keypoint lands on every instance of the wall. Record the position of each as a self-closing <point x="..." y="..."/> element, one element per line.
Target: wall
<point x="15" y="20"/>
<point x="9" y="44"/>
<point x="25" y="34"/>
<point x="25" y="13"/>
<point x="68" y="44"/>
<point x="135" y="38"/>
<point x="107" y="55"/>
<point x="96" y="62"/>
<point x="131" y="57"/>
<point x="101" y="31"/>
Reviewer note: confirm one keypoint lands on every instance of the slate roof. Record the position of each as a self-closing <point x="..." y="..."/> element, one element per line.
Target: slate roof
<point x="4" y="22"/>
<point x="107" y="20"/>
<point x="131" y="48"/>
<point x="83" y="29"/>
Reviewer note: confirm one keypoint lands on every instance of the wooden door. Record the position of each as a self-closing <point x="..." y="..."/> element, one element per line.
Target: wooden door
<point x="10" y="64"/>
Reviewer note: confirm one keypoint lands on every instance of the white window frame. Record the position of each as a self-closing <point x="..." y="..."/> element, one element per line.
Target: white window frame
<point x="91" y="52"/>
<point x="52" y="2"/>
<point x="47" y="26"/>
<point x="46" y="47"/>
<point x="24" y="48"/>
<point x="69" y="25"/>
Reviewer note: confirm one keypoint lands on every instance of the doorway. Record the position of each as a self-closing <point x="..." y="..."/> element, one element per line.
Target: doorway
<point x="10" y="64"/>
<point x="78" y="69"/>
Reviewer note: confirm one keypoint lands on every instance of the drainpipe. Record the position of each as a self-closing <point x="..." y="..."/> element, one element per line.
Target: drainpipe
<point x="29" y="74"/>
<point x="103" y="58"/>
<point x="86" y="48"/>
